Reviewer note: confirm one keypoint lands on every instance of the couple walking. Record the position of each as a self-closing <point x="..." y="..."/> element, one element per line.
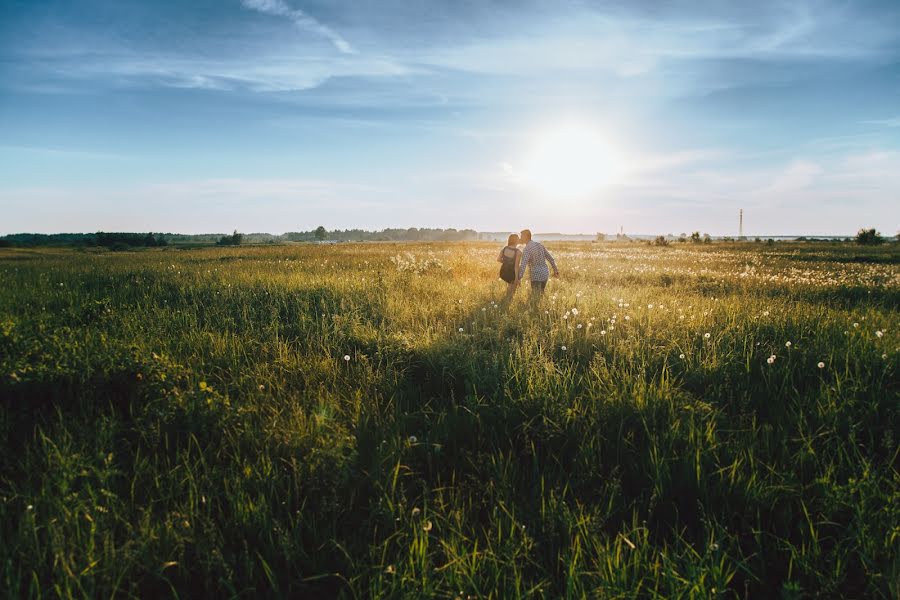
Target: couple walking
<point x="534" y="256"/>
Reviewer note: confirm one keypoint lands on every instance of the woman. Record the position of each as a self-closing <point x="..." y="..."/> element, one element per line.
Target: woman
<point x="509" y="260"/>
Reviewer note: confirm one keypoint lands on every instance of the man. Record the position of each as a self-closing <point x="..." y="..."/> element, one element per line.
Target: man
<point x="535" y="257"/>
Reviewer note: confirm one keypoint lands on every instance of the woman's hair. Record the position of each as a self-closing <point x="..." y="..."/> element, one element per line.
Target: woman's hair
<point x="513" y="239"/>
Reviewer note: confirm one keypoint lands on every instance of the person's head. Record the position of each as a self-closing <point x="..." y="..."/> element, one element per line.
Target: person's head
<point x="525" y="235"/>
<point x="513" y="240"/>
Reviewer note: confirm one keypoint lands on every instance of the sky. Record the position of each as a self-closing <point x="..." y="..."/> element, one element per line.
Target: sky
<point x="282" y="115"/>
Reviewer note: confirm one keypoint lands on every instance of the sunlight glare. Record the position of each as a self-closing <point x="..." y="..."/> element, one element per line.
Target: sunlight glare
<point x="570" y="160"/>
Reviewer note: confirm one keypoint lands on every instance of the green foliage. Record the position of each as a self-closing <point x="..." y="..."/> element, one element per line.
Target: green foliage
<point x="234" y="239"/>
<point x="869" y="237"/>
<point x="321" y="233"/>
<point x="372" y="421"/>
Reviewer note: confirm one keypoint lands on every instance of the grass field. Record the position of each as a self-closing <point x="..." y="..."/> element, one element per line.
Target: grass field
<point x="692" y="421"/>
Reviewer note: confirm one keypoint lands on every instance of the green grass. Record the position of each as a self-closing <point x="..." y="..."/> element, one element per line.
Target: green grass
<point x="183" y="423"/>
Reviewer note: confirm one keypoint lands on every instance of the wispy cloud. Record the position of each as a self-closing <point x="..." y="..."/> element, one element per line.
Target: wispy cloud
<point x="895" y="122"/>
<point x="303" y="21"/>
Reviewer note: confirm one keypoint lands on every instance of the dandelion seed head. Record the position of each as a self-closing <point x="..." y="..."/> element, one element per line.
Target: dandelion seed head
<point x="681" y="356"/>
<point x="821" y="365"/>
<point x="346" y="358"/>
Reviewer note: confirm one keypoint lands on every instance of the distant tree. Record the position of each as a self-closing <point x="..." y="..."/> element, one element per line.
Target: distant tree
<point x="695" y="237"/>
<point x="660" y="241"/>
<point x="869" y="237"/>
<point x="234" y="239"/>
<point x="706" y="238"/>
<point x="321" y="233"/>
<point x="683" y="238"/>
<point x="601" y="237"/>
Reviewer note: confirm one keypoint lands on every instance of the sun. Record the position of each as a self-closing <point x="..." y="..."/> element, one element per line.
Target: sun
<point x="570" y="160"/>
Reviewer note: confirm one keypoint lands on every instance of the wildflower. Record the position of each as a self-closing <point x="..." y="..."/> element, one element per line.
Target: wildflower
<point x="566" y="316"/>
<point x="602" y="332"/>
<point x="426" y="526"/>
<point x="879" y="333"/>
<point x="714" y="546"/>
<point x="884" y="357"/>
<point x="627" y="318"/>
<point x="29" y="507"/>
<point x="390" y="569"/>
<point x="765" y="313"/>
<point x="416" y="511"/>
<point x="771" y="359"/>
<point x="706" y="335"/>
<point x="856" y="326"/>
<point x="261" y="387"/>
<point x="787" y="344"/>
<point x="346" y="358"/>
<point x="681" y="356"/>
<point x="821" y="365"/>
<point x="563" y="348"/>
<point x="575" y="311"/>
<point x="461" y="330"/>
<point x="413" y="439"/>
<point x="578" y="326"/>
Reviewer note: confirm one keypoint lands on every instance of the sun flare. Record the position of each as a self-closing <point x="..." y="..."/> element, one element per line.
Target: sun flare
<point x="570" y="160"/>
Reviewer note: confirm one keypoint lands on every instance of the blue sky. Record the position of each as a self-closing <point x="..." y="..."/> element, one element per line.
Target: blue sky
<point x="280" y="115"/>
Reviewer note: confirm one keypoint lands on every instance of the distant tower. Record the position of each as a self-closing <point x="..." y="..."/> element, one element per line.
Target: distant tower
<point x="741" y="225"/>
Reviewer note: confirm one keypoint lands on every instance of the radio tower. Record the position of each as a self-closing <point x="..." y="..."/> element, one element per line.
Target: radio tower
<point x="741" y="225"/>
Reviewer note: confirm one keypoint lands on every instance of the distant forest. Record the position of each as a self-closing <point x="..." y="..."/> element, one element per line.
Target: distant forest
<point x="124" y="240"/>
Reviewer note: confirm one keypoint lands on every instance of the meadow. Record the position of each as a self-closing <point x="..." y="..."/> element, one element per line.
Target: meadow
<point x="369" y="420"/>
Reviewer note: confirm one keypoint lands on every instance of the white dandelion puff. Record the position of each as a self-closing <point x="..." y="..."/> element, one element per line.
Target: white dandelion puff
<point x="821" y="365"/>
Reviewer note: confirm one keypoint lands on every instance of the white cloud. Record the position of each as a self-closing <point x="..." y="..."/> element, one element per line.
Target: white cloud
<point x="301" y="20"/>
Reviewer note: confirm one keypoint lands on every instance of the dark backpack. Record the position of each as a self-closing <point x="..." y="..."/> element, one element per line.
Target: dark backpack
<point x="508" y="267"/>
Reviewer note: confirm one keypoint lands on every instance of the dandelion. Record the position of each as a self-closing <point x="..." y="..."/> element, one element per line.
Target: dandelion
<point x="426" y="526"/>
<point x="821" y="365"/>
<point x="787" y="344"/>
<point x="706" y="335"/>
<point x="765" y="313"/>
<point x="578" y="326"/>
<point x="681" y="356"/>
<point x="261" y="387"/>
<point x="856" y="326"/>
<point x="771" y="359"/>
<point x="413" y="439"/>
<point x="602" y="332"/>
<point x="566" y="316"/>
<point x="627" y="318"/>
<point x="416" y="511"/>
<point x="884" y="356"/>
<point x="390" y="569"/>
<point x="714" y="546"/>
<point x="346" y="358"/>
<point x="461" y="330"/>
<point x="563" y="348"/>
<point x="29" y="507"/>
<point x="879" y="333"/>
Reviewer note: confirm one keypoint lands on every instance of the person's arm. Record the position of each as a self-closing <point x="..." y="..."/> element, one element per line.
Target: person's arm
<point x="523" y="262"/>
<point x="500" y="256"/>
<point x="552" y="262"/>
<point x="518" y="263"/>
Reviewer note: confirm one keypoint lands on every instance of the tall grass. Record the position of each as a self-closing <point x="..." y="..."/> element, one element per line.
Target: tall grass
<point x="370" y="420"/>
